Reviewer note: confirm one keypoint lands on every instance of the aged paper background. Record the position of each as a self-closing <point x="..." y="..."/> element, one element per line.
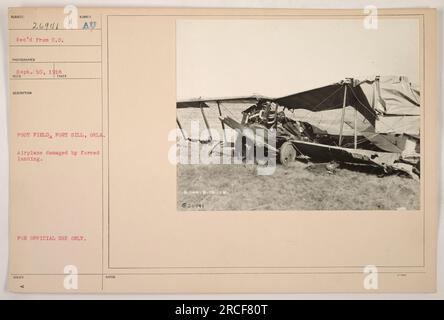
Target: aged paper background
<point x="123" y="202"/>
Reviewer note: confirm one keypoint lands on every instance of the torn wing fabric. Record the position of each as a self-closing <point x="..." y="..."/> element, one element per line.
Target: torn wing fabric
<point x="397" y="102"/>
<point x="392" y="95"/>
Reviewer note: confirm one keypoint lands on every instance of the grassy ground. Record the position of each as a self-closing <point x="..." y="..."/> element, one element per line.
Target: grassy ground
<point x="238" y="187"/>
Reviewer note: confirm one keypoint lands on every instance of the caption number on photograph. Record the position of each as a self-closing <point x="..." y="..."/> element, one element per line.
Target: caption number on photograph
<point x="71" y="278"/>
<point x="371" y="17"/>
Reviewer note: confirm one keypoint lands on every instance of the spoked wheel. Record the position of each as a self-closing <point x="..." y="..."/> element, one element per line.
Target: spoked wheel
<point x="287" y="153"/>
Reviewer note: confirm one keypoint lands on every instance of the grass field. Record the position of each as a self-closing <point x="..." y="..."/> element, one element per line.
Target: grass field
<point x="238" y="187"/>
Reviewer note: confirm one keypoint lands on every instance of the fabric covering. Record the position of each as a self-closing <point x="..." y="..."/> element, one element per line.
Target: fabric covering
<point x="391" y="104"/>
<point x="328" y="98"/>
<point x="392" y="95"/>
<point x="397" y="102"/>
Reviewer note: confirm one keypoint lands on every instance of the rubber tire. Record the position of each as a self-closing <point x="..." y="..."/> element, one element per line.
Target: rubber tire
<point x="287" y="153"/>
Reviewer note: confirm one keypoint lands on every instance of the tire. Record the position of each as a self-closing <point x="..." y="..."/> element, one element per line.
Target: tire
<point x="287" y="153"/>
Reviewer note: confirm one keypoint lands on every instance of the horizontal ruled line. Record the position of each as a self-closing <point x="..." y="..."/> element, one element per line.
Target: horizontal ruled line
<point x="55" y="61"/>
<point x="55" y="79"/>
<point x="55" y="45"/>
<point x="18" y="29"/>
<point x="210" y="273"/>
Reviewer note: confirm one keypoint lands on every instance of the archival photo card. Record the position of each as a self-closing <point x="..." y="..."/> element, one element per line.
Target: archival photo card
<point x="162" y="150"/>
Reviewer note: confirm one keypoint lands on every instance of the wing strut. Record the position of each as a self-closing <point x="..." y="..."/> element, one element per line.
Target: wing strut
<point x="222" y="123"/>
<point x="343" y="114"/>
<point x="206" y="121"/>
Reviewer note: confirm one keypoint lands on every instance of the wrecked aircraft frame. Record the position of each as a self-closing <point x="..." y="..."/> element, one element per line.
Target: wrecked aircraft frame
<point x="383" y="130"/>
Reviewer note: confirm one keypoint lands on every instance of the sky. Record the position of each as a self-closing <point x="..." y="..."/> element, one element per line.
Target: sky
<point x="222" y="58"/>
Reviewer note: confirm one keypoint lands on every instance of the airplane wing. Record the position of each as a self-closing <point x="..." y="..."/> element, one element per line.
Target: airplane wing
<point x="328" y="98"/>
<point x="205" y="102"/>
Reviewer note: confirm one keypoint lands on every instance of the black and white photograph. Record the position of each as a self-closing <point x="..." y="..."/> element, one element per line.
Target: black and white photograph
<point x="298" y="114"/>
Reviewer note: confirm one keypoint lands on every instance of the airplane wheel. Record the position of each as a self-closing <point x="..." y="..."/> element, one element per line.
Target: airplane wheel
<point x="287" y="153"/>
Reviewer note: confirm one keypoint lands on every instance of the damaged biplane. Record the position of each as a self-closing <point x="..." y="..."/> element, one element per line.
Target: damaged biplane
<point x="373" y="122"/>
